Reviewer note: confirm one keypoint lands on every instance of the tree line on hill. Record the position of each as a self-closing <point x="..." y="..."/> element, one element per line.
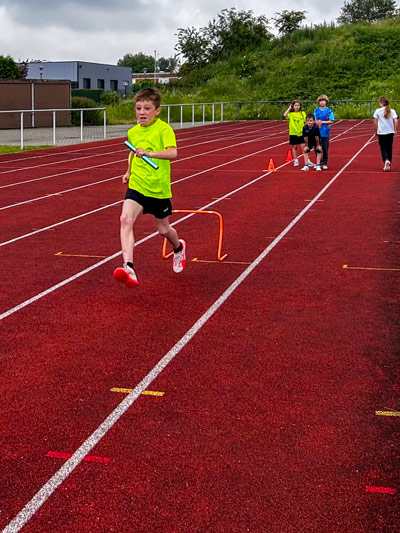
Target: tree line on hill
<point x="232" y="32"/>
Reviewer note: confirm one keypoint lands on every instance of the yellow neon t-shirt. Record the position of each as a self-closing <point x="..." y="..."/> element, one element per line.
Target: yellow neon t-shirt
<point x="143" y="178"/>
<point x="297" y="119"/>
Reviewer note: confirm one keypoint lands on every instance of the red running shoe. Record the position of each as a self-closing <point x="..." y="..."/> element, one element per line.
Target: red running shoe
<point x="126" y="275"/>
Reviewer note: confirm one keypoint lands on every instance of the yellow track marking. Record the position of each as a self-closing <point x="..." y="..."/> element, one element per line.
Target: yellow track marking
<point x="79" y="255"/>
<point x="145" y="392"/>
<point x="387" y="413"/>
<point x="196" y="260"/>
<point x="372" y="268"/>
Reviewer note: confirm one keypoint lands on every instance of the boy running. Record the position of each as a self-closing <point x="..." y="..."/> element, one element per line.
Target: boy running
<point x="149" y="190"/>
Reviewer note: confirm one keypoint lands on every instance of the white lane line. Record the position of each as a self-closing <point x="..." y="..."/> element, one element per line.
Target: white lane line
<point x="76" y="170"/>
<point x="22" y="169"/>
<point x="29" y="155"/>
<point x="67" y="161"/>
<point x="122" y="160"/>
<point x="46" y="196"/>
<point x="40" y="230"/>
<point x="180" y="134"/>
<point x="120" y="201"/>
<point x="116" y="254"/>
<point x="69" y="466"/>
<point x="20" y="306"/>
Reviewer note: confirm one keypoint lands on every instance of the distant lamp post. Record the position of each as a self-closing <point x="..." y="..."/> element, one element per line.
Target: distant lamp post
<point x="125" y="83"/>
<point x="41" y="72"/>
<point x="155" y="65"/>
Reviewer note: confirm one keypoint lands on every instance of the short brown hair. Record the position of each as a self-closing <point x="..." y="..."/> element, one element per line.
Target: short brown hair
<point x="149" y="93"/>
<point x="323" y="97"/>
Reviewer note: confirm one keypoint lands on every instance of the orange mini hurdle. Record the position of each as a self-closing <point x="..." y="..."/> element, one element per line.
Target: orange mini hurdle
<point x="196" y="212"/>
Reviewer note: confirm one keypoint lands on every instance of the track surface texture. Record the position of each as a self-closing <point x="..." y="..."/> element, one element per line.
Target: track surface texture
<point x="259" y="393"/>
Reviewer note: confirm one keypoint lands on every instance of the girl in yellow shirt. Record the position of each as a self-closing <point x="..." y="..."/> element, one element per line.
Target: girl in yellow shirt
<point x="297" y="119"/>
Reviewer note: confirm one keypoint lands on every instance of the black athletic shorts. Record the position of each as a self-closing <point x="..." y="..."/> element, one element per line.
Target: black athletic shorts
<point x="158" y="207"/>
<point x="295" y="140"/>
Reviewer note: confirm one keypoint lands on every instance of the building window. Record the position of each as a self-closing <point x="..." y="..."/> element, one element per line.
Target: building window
<point x="86" y="83"/>
<point x="114" y="85"/>
<point x="100" y="84"/>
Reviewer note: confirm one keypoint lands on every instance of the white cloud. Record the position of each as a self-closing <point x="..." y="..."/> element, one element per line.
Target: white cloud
<point x="104" y="31"/>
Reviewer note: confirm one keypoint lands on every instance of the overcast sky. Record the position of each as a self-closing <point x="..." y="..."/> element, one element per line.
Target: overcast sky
<point x="103" y="31"/>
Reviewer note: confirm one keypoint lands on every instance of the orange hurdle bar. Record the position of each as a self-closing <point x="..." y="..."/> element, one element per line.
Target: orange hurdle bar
<point x="194" y="211"/>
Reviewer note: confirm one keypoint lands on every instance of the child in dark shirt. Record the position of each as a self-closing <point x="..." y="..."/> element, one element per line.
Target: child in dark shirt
<point x="311" y="140"/>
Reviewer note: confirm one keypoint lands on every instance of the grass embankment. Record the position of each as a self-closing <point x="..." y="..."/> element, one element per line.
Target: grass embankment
<point x="352" y="62"/>
<point x="5" y="149"/>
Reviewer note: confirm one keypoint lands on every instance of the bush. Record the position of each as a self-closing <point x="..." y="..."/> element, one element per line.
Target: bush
<point x="90" y="118"/>
<point x="109" y="98"/>
<point x="94" y="94"/>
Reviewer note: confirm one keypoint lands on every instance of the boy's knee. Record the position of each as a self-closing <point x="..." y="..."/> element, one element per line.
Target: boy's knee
<point x="163" y="231"/>
<point x="126" y="220"/>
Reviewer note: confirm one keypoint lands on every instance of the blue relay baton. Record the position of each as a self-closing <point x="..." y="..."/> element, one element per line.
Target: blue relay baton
<point x="144" y="157"/>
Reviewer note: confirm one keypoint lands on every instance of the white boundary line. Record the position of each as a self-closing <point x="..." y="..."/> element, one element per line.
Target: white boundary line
<point x="123" y="149"/>
<point x="69" y="466"/>
<point x="16" y="308"/>
<point x="120" y="201"/>
<point x="115" y="177"/>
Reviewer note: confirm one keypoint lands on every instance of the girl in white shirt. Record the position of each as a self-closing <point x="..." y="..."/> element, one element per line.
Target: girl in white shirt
<point x="385" y="122"/>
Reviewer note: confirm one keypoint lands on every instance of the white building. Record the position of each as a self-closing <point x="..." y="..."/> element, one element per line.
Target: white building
<point x="158" y="77"/>
<point x="84" y="75"/>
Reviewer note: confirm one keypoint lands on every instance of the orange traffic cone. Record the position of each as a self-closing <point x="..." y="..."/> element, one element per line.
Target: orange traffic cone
<point x="289" y="157"/>
<point x="271" y="167"/>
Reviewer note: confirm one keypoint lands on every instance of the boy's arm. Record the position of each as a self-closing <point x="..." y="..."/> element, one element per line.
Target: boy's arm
<point x="125" y="177"/>
<point x="395" y="121"/>
<point x="169" y="153"/>
<point x="329" y="121"/>
<point x="376" y="126"/>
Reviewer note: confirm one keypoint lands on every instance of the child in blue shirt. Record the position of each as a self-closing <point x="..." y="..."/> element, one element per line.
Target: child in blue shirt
<point x="324" y="118"/>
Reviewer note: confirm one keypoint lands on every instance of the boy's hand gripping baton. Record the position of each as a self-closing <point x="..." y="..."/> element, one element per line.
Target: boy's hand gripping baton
<point x="144" y="157"/>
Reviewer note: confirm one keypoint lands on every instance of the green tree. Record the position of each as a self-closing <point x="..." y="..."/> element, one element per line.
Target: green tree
<point x="288" y="21"/>
<point x="237" y="31"/>
<point x="9" y="69"/>
<point x="137" y="62"/>
<point x="232" y="32"/>
<point x="193" y="45"/>
<point x="167" y="64"/>
<point x="367" y="10"/>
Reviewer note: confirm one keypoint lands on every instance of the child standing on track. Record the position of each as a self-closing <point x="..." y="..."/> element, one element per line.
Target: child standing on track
<point x="385" y="123"/>
<point x="149" y="190"/>
<point x="324" y="118"/>
<point x="297" y="119"/>
<point x="311" y="140"/>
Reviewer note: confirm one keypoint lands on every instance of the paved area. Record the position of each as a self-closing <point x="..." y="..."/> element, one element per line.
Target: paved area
<point x="68" y="135"/>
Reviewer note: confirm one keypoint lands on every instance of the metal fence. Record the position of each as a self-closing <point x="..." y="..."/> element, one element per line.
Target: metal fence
<point x="260" y="110"/>
<point x="46" y="139"/>
<point x="179" y="115"/>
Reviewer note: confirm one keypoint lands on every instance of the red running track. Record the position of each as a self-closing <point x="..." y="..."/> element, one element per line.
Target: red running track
<point x="277" y="369"/>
